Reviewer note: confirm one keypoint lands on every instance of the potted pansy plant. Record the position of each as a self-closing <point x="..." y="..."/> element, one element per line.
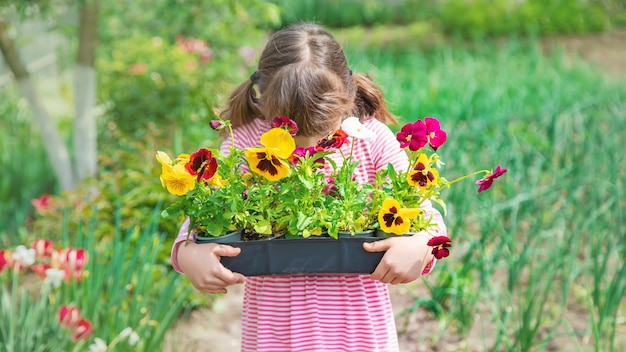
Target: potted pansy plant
<point x="276" y="191"/>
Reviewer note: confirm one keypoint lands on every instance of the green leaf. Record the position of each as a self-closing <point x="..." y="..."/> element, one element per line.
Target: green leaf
<point x="263" y="227"/>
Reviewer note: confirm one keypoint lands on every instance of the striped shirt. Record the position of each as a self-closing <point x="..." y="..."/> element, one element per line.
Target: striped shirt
<point x="322" y="312"/>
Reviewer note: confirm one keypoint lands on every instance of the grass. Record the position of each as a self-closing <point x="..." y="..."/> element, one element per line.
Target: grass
<point x="550" y="236"/>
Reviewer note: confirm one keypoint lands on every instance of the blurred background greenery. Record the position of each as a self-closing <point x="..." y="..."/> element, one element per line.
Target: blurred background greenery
<point x="547" y="241"/>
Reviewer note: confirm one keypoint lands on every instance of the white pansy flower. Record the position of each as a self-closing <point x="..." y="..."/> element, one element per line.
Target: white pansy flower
<point x="24" y="256"/>
<point x="54" y="277"/>
<point x="98" y="345"/>
<point x="354" y="128"/>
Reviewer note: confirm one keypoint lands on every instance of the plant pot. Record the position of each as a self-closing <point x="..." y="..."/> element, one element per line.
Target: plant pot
<point x="313" y="255"/>
<point x="230" y="237"/>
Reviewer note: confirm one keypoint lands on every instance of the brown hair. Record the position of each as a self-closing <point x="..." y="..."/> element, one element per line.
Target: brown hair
<point x="303" y="74"/>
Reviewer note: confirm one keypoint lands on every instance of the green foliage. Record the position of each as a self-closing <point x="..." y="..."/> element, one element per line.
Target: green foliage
<point x="26" y="172"/>
<point x="147" y="81"/>
<point x="128" y="184"/>
<point x="552" y="235"/>
<point x="465" y="18"/>
<point x="225" y="24"/>
<point x="122" y="275"/>
<point x="480" y="18"/>
<point x="348" y="13"/>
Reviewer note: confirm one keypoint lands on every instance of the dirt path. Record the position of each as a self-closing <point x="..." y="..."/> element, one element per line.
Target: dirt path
<point x="218" y="329"/>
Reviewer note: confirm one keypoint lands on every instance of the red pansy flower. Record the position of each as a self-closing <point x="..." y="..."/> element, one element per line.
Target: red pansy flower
<point x="486" y="182"/>
<point x="335" y="140"/>
<point x="202" y="163"/>
<point x="285" y="123"/>
<point x="436" y="136"/>
<point x="440" y="246"/>
<point x="413" y="135"/>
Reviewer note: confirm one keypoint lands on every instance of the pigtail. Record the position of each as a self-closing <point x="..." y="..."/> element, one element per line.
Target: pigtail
<point x="242" y="106"/>
<point x="370" y="100"/>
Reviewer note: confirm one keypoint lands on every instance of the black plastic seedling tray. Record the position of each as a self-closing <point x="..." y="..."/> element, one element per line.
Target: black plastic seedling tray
<point x="313" y="255"/>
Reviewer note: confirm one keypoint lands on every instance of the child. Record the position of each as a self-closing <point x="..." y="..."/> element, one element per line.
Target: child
<point x="303" y="74"/>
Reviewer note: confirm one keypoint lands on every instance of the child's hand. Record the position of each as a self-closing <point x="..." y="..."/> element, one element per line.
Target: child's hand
<point x="405" y="259"/>
<point x="201" y="263"/>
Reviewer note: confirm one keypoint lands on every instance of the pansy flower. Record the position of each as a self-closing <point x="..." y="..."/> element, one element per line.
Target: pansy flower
<point x="217" y="124"/>
<point x="395" y="219"/>
<point x="202" y="164"/>
<point x="486" y="182"/>
<point x="285" y="123"/>
<point x="175" y="178"/>
<point x="269" y="161"/>
<point x="436" y="136"/>
<point x="422" y="175"/>
<point x="332" y="141"/>
<point x="354" y="128"/>
<point x="440" y="246"/>
<point x="413" y="135"/>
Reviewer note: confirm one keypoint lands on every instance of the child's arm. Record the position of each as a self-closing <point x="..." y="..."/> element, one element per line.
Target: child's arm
<point x="201" y="263"/>
<point x="407" y="257"/>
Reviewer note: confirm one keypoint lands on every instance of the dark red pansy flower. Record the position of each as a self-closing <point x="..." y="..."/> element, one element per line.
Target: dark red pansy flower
<point x="335" y="140"/>
<point x="202" y="163"/>
<point x="436" y="136"/>
<point x="217" y="124"/>
<point x="413" y="135"/>
<point x="485" y="183"/>
<point x="285" y="123"/>
<point x="440" y="246"/>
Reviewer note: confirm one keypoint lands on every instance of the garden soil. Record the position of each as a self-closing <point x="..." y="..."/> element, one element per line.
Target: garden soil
<point x="217" y="329"/>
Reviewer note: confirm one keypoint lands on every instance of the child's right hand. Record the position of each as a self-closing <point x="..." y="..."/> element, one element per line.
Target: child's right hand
<point x="201" y="263"/>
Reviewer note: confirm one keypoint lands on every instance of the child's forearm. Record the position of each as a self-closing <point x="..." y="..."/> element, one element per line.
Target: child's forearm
<point x="182" y="237"/>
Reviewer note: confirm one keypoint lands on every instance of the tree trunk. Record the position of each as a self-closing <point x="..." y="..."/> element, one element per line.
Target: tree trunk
<point x="85" y="127"/>
<point x="55" y="147"/>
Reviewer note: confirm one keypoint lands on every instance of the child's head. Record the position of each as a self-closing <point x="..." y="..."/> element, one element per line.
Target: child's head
<point x="303" y="74"/>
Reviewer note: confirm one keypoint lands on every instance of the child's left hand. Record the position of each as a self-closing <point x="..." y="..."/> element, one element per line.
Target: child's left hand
<point x="404" y="260"/>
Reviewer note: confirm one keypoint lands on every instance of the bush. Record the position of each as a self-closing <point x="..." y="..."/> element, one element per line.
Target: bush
<point x="148" y="82"/>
